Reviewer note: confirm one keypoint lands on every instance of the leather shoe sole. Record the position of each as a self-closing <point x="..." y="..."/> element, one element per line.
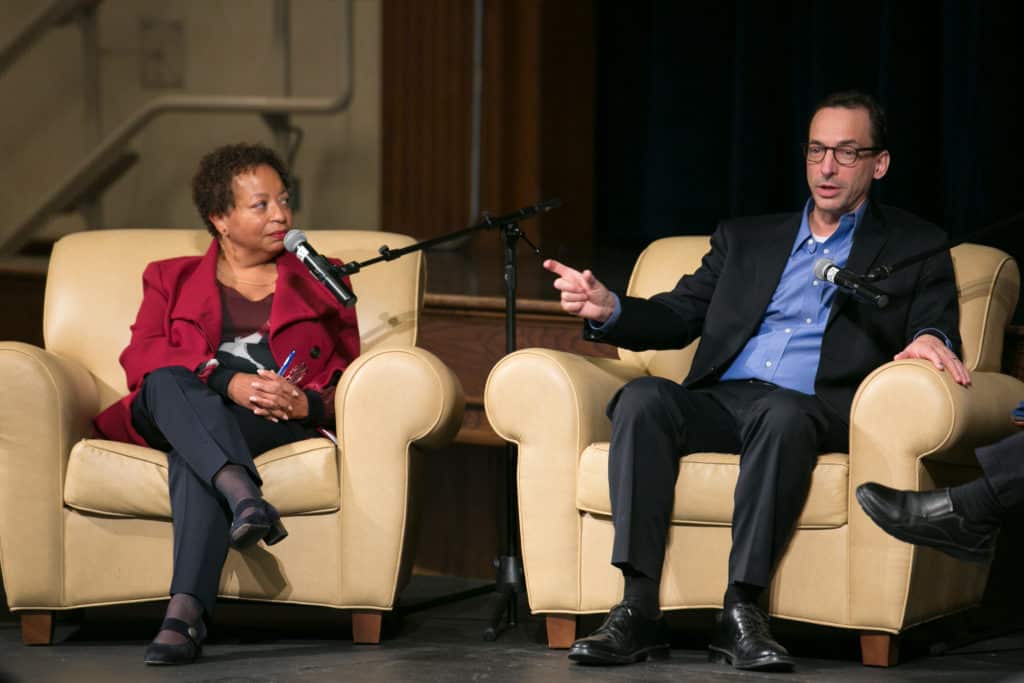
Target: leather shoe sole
<point x="586" y="653"/>
<point x="767" y="663"/>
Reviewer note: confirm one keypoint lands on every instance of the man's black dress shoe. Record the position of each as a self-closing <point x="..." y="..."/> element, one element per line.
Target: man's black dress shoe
<point x="928" y="518"/>
<point x="181" y="653"/>
<point x="260" y="521"/>
<point x="624" y="637"/>
<point x="742" y="638"/>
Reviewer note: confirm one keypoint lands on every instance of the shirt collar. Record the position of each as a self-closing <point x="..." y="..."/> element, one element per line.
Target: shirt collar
<point x="847" y="224"/>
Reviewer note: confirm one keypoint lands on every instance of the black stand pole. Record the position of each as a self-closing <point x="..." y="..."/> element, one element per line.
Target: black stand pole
<point x="509" y="582"/>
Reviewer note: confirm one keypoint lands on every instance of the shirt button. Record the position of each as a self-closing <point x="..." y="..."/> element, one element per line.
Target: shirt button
<point x="767" y="363"/>
<point x="810" y="240"/>
<point x="788" y="330"/>
<point x="814" y="284"/>
<point x="807" y="320"/>
<point x="826" y="251"/>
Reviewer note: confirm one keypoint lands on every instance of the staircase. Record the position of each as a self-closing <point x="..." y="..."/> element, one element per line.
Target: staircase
<point x="22" y="251"/>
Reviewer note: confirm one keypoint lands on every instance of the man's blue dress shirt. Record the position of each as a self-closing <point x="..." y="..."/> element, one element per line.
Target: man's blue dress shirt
<point x="786" y="347"/>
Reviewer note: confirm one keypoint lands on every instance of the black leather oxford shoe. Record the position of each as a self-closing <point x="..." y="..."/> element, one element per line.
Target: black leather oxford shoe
<point x="742" y="638"/>
<point x="625" y="637"/>
<point x="928" y="518"/>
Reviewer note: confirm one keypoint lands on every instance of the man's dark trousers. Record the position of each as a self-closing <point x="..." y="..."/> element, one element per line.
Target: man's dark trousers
<point x="201" y="432"/>
<point x="778" y="433"/>
<point x="1003" y="463"/>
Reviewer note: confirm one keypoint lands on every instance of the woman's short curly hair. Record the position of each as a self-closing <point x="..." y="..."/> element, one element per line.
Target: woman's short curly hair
<point x="211" y="185"/>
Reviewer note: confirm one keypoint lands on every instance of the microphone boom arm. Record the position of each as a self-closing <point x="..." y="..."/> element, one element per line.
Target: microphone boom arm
<point x="509" y="221"/>
<point x="882" y="272"/>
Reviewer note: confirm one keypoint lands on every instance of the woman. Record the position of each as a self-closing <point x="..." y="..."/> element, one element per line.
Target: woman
<point x="210" y="383"/>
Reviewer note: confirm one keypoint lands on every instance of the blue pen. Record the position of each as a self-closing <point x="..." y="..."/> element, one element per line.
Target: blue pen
<point x="287" y="361"/>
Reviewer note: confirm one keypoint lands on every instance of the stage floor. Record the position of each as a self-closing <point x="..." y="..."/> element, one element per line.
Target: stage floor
<point x="253" y="642"/>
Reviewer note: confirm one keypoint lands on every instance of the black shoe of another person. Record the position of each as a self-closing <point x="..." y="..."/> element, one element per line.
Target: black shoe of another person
<point x="181" y="653"/>
<point x="928" y="518"/>
<point x="625" y="637"/>
<point x="742" y="638"/>
<point x="256" y="520"/>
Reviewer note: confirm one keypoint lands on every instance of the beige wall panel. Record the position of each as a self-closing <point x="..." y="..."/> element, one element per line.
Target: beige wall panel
<point x="229" y="49"/>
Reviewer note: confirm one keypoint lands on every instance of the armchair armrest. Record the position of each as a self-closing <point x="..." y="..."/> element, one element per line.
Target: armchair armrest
<point x="389" y="403"/>
<point x="552" y="404"/>
<point x="49" y="404"/>
<point x="907" y="412"/>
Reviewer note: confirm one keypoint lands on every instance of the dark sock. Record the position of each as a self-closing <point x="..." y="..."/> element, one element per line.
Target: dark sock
<point x="741" y="592"/>
<point x="235" y="484"/>
<point x="977" y="501"/>
<point x="642" y="593"/>
<point x="185" y="607"/>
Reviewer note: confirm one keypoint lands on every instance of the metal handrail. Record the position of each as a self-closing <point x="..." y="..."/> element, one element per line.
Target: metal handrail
<point x="53" y="14"/>
<point x="110" y="146"/>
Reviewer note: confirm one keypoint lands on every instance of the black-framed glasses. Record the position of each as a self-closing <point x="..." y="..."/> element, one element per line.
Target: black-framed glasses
<point x="845" y="155"/>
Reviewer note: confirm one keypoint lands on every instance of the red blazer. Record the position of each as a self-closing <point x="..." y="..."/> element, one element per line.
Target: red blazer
<point x="179" y="323"/>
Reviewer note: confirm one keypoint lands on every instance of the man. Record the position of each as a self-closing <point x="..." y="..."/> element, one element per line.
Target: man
<point x="780" y="357"/>
<point x="961" y="521"/>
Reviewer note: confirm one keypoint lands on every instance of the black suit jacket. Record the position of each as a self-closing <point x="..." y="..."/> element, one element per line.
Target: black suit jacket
<point x="724" y="301"/>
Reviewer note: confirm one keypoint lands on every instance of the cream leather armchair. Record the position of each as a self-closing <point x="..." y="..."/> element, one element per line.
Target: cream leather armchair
<point x="911" y="428"/>
<point x="85" y="521"/>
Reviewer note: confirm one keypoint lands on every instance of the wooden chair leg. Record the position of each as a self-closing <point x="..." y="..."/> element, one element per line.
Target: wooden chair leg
<point x="366" y="627"/>
<point x="37" y="627"/>
<point x="561" y="630"/>
<point x="879" y="649"/>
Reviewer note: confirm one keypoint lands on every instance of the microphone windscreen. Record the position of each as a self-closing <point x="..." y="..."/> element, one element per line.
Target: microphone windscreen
<point x="292" y="240"/>
<point x="821" y="266"/>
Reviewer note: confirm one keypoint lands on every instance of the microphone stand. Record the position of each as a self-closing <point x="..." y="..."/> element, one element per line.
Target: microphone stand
<point x="882" y="272"/>
<point x="509" y="581"/>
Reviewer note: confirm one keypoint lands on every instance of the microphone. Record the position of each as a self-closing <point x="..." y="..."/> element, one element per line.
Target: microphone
<point x="322" y="269"/>
<point x="825" y="269"/>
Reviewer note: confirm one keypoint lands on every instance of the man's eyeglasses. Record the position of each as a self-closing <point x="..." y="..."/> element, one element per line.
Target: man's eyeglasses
<point x="845" y="155"/>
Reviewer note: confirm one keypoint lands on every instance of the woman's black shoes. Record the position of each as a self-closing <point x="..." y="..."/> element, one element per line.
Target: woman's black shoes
<point x="177" y="653"/>
<point x="256" y="520"/>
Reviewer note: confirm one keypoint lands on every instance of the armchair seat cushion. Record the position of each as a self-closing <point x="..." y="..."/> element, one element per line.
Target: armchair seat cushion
<point x="705" y="486"/>
<point x="125" y="480"/>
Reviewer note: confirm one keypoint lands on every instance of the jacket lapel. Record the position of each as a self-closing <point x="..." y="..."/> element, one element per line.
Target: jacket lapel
<point x="297" y="296"/>
<point x="868" y="240"/>
<point x="199" y="299"/>
<point x="768" y="263"/>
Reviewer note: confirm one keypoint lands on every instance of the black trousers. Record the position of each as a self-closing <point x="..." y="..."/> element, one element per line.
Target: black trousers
<point x="1003" y="464"/>
<point x="201" y="432"/>
<point x="778" y="434"/>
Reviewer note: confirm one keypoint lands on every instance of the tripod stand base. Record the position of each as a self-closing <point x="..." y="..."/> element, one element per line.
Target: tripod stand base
<point x="501" y="604"/>
<point x="508" y="587"/>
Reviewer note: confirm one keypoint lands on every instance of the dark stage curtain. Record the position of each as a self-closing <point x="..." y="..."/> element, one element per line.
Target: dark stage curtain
<point x="701" y="107"/>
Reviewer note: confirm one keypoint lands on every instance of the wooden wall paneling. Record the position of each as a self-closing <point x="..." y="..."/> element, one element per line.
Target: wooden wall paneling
<point x="536" y="143"/>
<point x="538" y="129"/>
<point x="567" y="129"/>
<point x="426" y="85"/>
